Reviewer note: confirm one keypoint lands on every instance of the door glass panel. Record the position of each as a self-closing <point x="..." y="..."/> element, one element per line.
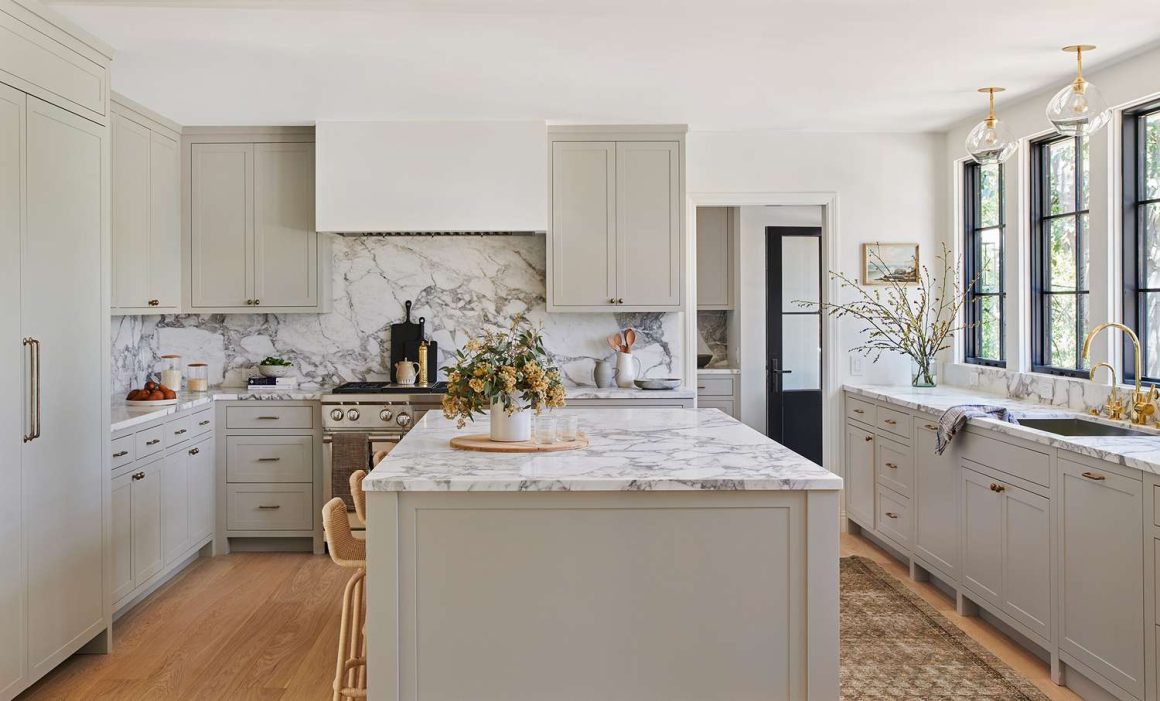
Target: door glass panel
<point x="801" y="351"/>
<point x="801" y="271"/>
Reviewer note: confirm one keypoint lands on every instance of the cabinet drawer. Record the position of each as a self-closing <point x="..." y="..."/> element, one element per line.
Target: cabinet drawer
<point x="860" y="410"/>
<point x="894" y="516"/>
<point x="269" y="416"/>
<point x="714" y="386"/>
<point x="123" y="451"/>
<point x="1012" y="459"/>
<point x="149" y="441"/>
<point x="725" y="405"/>
<point x="895" y="466"/>
<point x="178" y="430"/>
<point x="270" y="507"/>
<point x="894" y="422"/>
<point x="270" y="459"/>
<point x="201" y="422"/>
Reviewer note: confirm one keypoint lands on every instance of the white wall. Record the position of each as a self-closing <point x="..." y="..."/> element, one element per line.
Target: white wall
<point x="1123" y="84"/>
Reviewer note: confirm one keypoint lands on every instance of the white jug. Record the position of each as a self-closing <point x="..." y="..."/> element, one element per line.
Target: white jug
<point x="627" y="368"/>
<point x="405" y="372"/>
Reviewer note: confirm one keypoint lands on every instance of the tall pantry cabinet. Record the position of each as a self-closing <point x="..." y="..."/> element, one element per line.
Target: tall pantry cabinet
<point x="54" y="343"/>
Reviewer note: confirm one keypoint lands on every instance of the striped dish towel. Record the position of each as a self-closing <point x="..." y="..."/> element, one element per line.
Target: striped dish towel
<point x="956" y="417"/>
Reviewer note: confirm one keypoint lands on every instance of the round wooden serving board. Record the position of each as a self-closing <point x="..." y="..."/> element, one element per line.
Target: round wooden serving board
<point x="483" y="442"/>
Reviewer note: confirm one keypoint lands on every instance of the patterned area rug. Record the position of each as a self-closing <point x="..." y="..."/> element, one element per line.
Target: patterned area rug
<point x="896" y="646"/>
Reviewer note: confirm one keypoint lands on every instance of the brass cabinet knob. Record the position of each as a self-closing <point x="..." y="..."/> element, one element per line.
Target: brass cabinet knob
<point x="139" y="476"/>
<point x="612" y="300"/>
<point x="620" y="300"/>
<point x="868" y="438"/>
<point x="249" y="302"/>
<point x="997" y="487"/>
<point x="257" y="302"/>
<point x="194" y="451"/>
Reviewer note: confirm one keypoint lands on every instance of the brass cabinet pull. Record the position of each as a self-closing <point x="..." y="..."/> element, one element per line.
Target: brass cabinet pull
<point x="997" y="487"/>
<point x="155" y="441"/>
<point x="269" y="507"/>
<point x="868" y="438"/>
<point x="891" y="514"/>
<point x="268" y="418"/>
<point x="620" y="300"/>
<point x="892" y="422"/>
<point x="269" y="459"/>
<point x="700" y="386"/>
<point x="139" y="476"/>
<point x="194" y="451"/>
<point x="203" y="423"/>
<point x="892" y="466"/>
<point x="930" y="427"/>
<point x="1095" y="476"/>
<point x="154" y="302"/>
<point x="859" y="411"/>
<point x="33" y="346"/>
<point x="120" y="453"/>
<point x="612" y="300"/>
<point x="180" y="431"/>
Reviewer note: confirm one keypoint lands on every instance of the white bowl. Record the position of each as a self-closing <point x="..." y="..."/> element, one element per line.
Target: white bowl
<point x="276" y="370"/>
<point x="658" y="382"/>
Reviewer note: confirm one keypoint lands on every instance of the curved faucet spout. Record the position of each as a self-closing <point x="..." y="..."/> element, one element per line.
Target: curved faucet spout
<point x="1141" y="404"/>
<point x="1097" y="366"/>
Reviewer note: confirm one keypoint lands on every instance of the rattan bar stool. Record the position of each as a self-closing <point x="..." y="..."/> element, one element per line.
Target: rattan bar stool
<point x="350" y="675"/>
<point x="358" y="496"/>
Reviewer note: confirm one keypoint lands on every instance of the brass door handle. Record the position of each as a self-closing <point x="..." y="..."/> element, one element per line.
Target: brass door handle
<point x="1095" y="476"/>
<point x="194" y="451"/>
<point x="269" y="459"/>
<point x="892" y="466"/>
<point x="139" y="476"/>
<point x="120" y="453"/>
<point x="269" y="507"/>
<point x="155" y="441"/>
<point x="997" y="487"/>
<point x="891" y="514"/>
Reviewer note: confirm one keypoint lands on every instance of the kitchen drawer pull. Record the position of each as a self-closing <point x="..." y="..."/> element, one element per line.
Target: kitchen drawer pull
<point x="269" y="459"/>
<point x="930" y="427"/>
<point x="700" y="386"/>
<point x="892" y="466"/>
<point x="203" y="423"/>
<point x="859" y="411"/>
<point x="139" y="476"/>
<point x="892" y="422"/>
<point x="868" y="438"/>
<point x="120" y="453"/>
<point x="269" y="507"/>
<point x="997" y="487"/>
<point x="155" y="441"/>
<point x="891" y="514"/>
<point x="268" y="418"/>
<point x="180" y="431"/>
<point x="1094" y="476"/>
<point x="194" y="451"/>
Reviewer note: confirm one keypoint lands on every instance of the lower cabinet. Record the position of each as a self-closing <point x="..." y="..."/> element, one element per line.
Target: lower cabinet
<point x="860" y="475"/>
<point x="175" y="505"/>
<point x="201" y="471"/>
<point x="1102" y="573"/>
<point x="936" y="501"/>
<point x="136" y="509"/>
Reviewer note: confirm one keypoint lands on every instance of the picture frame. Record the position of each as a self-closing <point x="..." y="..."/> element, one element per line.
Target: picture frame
<point x="890" y="263"/>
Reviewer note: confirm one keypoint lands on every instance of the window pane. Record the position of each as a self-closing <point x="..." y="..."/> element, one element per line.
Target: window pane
<point x="990" y="327"/>
<point x="1085" y="171"/>
<point x="1061" y="255"/>
<point x="1151" y="129"/>
<point x="1084" y="254"/>
<point x="1150" y="227"/>
<point x="1083" y="329"/>
<point x="1150" y="334"/>
<point x="989" y="183"/>
<point x="801" y="350"/>
<point x="989" y="264"/>
<point x="1061" y="311"/>
<point x="1060" y="159"/>
<point x="801" y="277"/>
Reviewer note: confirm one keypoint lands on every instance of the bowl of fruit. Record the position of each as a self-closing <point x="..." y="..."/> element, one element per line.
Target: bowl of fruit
<point x="275" y="367"/>
<point x="152" y="394"/>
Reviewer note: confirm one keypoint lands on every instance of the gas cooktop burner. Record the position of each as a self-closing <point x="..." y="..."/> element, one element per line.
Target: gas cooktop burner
<point x="388" y="388"/>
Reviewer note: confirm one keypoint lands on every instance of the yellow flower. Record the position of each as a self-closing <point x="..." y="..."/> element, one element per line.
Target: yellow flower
<point x="476" y="385"/>
<point x="482" y="370"/>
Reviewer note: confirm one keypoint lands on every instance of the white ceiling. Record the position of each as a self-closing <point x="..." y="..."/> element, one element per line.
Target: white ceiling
<point x="843" y="65"/>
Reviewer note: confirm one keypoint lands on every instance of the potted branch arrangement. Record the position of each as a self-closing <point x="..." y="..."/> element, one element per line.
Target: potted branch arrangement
<point x="915" y="319"/>
<point x="507" y="373"/>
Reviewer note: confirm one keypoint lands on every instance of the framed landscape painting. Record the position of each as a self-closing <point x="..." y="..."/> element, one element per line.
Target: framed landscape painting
<point x="889" y="263"/>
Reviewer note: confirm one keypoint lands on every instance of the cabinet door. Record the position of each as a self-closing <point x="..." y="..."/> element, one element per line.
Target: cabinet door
<point x="1027" y="559"/>
<point x="222" y="221"/>
<point x="201" y="490"/>
<point x="122" y="544"/>
<point x="175" y="505"/>
<point x="714" y="258"/>
<point x="285" y="243"/>
<point x="583" y="235"/>
<point x="1102" y="573"/>
<point x="648" y="224"/>
<point x="936" y="501"/>
<point x="982" y="536"/>
<point x="63" y="469"/>
<point x="860" y="475"/>
<point x="147" y="555"/>
<point x="164" y="223"/>
<point x="131" y="201"/>
<point x="14" y="388"/>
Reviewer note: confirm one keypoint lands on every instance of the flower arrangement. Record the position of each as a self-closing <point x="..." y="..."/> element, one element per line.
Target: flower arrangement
<point x="508" y="369"/>
<point x="915" y="319"/>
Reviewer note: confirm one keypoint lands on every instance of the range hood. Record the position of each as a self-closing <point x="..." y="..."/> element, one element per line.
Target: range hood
<point x="435" y="178"/>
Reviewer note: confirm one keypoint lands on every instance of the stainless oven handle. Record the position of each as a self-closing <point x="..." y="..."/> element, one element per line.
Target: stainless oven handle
<point x="379" y="438"/>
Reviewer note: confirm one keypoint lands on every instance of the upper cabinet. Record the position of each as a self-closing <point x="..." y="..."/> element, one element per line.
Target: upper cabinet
<point x="714" y="257"/>
<point x="252" y="239"/>
<point x="617" y="220"/>
<point x="146" y="192"/>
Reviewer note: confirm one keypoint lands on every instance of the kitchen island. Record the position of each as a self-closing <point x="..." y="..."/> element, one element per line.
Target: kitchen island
<point x="681" y="556"/>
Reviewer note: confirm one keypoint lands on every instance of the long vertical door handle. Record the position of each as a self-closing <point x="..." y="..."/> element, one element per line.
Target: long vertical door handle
<point x="27" y="343"/>
<point x="36" y="355"/>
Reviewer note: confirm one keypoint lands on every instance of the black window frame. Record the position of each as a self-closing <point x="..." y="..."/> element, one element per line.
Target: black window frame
<point x="1041" y="218"/>
<point x="972" y="216"/>
<point x="1133" y="239"/>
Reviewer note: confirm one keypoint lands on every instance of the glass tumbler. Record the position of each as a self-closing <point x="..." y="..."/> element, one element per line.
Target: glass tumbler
<point x="568" y="428"/>
<point x="544" y="430"/>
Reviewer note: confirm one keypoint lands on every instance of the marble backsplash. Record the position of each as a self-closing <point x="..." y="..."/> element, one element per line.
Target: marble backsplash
<point x="1066" y="392"/>
<point x="462" y="286"/>
<point x="713" y="335"/>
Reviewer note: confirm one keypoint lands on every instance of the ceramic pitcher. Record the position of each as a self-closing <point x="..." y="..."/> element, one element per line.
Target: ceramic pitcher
<point x="405" y="372"/>
<point x="627" y="368"/>
<point x="603" y="373"/>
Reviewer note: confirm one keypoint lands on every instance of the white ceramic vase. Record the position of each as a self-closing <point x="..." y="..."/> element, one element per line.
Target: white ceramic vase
<point x="627" y="369"/>
<point x="510" y="429"/>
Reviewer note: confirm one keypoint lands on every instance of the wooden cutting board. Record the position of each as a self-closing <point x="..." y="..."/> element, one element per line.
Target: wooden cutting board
<point x="483" y="443"/>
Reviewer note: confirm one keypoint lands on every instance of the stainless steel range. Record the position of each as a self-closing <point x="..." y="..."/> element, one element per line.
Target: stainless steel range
<point x="380" y="413"/>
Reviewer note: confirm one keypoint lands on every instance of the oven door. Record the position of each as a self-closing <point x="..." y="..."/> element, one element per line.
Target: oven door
<point x="380" y="444"/>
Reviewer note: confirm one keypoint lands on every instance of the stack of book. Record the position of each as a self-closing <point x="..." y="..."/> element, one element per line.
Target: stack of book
<point x="273" y="382"/>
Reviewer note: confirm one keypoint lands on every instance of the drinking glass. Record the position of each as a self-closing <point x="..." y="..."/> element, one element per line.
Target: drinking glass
<point x="568" y="428"/>
<point x="544" y="430"/>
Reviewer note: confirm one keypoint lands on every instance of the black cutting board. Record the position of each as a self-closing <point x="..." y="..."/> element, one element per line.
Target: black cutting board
<point x="401" y="334"/>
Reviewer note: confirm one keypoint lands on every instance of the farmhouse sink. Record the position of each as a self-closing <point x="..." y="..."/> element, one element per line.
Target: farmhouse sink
<point x="1079" y="427"/>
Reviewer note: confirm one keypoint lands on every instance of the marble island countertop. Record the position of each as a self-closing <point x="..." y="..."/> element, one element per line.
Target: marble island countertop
<point x="629" y="393"/>
<point x="1139" y="452"/>
<point x="629" y="450"/>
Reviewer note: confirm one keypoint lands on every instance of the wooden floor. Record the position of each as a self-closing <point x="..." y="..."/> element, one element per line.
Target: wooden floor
<point x="265" y="625"/>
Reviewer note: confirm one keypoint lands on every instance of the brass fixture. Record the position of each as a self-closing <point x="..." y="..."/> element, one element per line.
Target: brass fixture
<point x="1079" y="83"/>
<point x="1140" y="407"/>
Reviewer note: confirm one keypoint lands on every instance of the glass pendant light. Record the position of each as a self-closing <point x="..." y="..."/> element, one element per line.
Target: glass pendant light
<point x="990" y="142"/>
<point x="1078" y="109"/>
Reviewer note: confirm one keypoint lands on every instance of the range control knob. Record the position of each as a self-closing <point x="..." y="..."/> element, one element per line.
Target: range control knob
<point x="403" y="419"/>
<point x="352" y="414"/>
<point x="336" y="414"/>
<point x="385" y="415"/>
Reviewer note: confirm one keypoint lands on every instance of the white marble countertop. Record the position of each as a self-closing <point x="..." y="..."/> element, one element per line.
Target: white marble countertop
<point x="1139" y="452"/>
<point x="124" y="416"/>
<point x="629" y="450"/>
<point x="629" y="393"/>
<point x="718" y="371"/>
